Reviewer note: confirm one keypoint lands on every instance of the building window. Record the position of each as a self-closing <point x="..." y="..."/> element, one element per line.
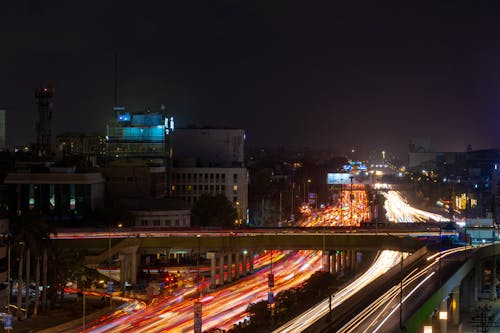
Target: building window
<point x="223" y="188"/>
<point x="235" y="178"/>
<point x="235" y="188"/>
<point x="144" y="223"/>
<point x="211" y="188"/>
<point x="176" y="223"/>
<point x="206" y="188"/>
<point x="216" y="177"/>
<point x="190" y="187"/>
<point x="217" y="188"/>
<point x="189" y="176"/>
<point x="235" y="199"/>
<point x="223" y="177"/>
<point x="194" y="176"/>
<point x="167" y="223"/>
<point x="156" y="223"/>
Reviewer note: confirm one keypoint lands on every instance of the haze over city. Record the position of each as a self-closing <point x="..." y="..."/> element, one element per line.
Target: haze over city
<point x="327" y="75"/>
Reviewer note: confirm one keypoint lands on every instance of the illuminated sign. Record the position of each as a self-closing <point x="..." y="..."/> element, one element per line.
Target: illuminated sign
<point x="338" y="178"/>
<point x="124" y="116"/>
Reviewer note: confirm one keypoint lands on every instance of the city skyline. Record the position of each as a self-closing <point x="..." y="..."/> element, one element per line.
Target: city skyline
<point x="330" y="75"/>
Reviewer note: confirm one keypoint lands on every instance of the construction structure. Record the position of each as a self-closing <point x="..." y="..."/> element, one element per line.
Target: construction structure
<point x="44" y="97"/>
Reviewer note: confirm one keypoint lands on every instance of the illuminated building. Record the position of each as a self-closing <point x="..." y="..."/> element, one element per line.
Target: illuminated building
<point x="140" y="135"/>
<point x="59" y="193"/>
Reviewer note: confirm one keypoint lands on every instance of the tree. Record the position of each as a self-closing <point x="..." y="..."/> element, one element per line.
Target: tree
<point x="213" y="211"/>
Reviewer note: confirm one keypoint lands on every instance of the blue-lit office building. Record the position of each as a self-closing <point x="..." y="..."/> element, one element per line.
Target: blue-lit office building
<point x="140" y="135"/>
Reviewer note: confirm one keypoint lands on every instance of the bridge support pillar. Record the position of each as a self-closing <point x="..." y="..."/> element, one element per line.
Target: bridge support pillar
<point x="211" y="256"/>
<point x="230" y="267"/>
<point x="455" y="305"/>
<point x="493" y="284"/>
<point x="353" y="260"/>
<point x="336" y="262"/>
<point x="221" y="268"/>
<point x="343" y="261"/>
<point x="326" y="261"/>
<point x="250" y="262"/>
<point x="443" y="316"/>
<point x="244" y="263"/>
<point x="237" y="265"/>
<point x="478" y="273"/>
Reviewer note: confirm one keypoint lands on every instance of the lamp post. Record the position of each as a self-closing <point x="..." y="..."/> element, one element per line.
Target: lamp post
<point x="351" y="197"/>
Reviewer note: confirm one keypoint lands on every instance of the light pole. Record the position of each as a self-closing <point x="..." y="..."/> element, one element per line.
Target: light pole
<point x="351" y="197"/>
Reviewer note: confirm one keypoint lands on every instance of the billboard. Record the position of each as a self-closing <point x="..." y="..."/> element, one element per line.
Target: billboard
<point x="338" y="178"/>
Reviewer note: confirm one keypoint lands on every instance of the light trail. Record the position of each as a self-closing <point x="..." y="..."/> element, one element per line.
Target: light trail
<point x="382" y="264"/>
<point x="398" y="210"/>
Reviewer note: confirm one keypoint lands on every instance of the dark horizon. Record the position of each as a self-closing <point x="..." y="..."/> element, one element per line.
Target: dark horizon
<point x="330" y="75"/>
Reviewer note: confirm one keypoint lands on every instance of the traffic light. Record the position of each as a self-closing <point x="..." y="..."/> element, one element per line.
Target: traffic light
<point x="270" y="280"/>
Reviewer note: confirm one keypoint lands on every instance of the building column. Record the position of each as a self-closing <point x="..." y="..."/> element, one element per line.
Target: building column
<point x="237" y="265"/>
<point x="493" y="285"/>
<point x="230" y="267"/>
<point x="334" y="263"/>
<point x="443" y="323"/>
<point x="221" y="269"/>
<point x="455" y="305"/>
<point x="250" y="262"/>
<point x="211" y="256"/>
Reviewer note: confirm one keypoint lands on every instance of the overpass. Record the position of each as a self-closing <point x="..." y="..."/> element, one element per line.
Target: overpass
<point x="234" y="246"/>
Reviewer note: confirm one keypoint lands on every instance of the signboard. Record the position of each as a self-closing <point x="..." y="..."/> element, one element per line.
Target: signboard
<point x="7" y="322"/>
<point x="111" y="287"/>
<point x="197" y="317"/>
<point x="338" y="178"/>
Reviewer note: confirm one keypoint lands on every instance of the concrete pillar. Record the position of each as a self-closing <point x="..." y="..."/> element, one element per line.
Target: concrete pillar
<point x="493" y="285"/>
<point x="211" y="256"/>
<point x="338" y="259"/>
<point x="237" y="265"/>
<point x="326" y="261"/>
<point x="443" y="323"/>
<point x="353" y="260"/>
<point x="230" y="267"/>
<point x="477" y="280"/>
<point x="455" y="305"/>
<point x="342" y="261"/>
<point x="221" y="268"/>
<point x="335" y="262"/>
<point x="134" y="268"/>
<point x="250" y="259"/>
<point x="244" y="264"/>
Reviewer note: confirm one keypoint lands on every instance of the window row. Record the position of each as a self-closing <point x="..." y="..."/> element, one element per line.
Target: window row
<point x="164" y="223"/>
<point x="202" y="177"/>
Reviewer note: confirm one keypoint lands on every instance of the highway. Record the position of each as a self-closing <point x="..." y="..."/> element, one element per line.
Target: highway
<point x="383" y="315"/>
<point x="226" y="306"/>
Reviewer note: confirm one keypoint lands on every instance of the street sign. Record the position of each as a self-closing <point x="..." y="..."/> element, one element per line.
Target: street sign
<point x="111" y="287"/>
<point x="197" y="317"/>
<point x="7" y="322"/>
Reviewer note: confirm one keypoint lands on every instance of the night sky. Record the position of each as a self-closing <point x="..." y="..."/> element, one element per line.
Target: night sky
<point x="331" y="74"/>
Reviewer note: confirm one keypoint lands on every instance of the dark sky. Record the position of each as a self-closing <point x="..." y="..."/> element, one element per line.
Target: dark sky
<point x="292" y="73"/>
